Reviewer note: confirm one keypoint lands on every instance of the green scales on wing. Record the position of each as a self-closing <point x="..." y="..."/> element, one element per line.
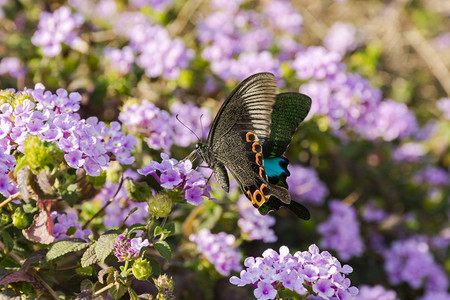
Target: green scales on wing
<point x="254" y="122"/>
<point x="288" y="111"/>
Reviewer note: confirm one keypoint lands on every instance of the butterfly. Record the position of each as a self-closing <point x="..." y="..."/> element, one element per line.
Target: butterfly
<point x="249" y="136"/>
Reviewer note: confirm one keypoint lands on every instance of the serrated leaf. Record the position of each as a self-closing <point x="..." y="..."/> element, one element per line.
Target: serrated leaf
<point x="170" y="227"/>
<point x="86" y="285"/>
<point x="22" y="182"/>
<point x="105" y="244"/>
<point x="156" y="268"/>
<point x="117" y="291"/>
<point x="164" y="249"/>
<point x="89" y="257"/>
<point x="65" y="246"/>
<point x="158" y="231"/>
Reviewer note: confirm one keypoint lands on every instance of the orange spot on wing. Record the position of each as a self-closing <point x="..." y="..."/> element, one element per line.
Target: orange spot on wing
<point x="256" y="144"/>
<point x="255" y="197"/>
<point x="250" y="137"/>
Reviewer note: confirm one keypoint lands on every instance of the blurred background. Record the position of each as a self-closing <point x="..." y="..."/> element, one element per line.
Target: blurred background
<point x="371" y="162"/>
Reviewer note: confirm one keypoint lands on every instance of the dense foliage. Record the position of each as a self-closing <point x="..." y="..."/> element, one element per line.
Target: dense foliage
<point x="97" y="202"/>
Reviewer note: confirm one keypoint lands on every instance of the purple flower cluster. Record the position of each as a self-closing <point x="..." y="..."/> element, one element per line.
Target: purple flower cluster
<point x="253" y="225"/>
<point x="435" y="296"/>
<point x="409" y="152"/>
<point x="410" y="261"/>
<point x="371" y="213"/>
<point x="12" y="66"/>
<point x="341" y="38"/>
<point x="317" y="63"/>
<point x="301" y="272"/>
<point x="180" y="176"/>
<point x="87" y="144"/>
<point x="305" y="185"/>
<point x="7" y="164"/>
<point x="157" y="5"/>
<point x="351" y="98"/>
<point x="116" y="212"/>
<point x="147" y="121"/>
<point x="433" y="176"/>
<point x="218" y="250"/>
<point x="121" y="59"/>
<point x="156" y="52"/>
<point x="56" y="28"/>
<point x="377" y="292"/>
<point x="127" y="249"/>
<point x="62" y="223"/>
<point x="444" y="105"/>
<point x="237" y="41"/>
<point x="341" y="231"/>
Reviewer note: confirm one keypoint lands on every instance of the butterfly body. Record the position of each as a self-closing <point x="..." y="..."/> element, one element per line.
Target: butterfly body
<point x="243" y="135"/>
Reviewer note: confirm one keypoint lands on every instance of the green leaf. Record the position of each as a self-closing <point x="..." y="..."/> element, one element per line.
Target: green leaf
<point x="156" y="268"/>
<point x="117" y="291"/>
<point x="70" y="194"/>
<point x="7" y="241"/>
<point x="164" y="249"/>
<point x="105" y="244"/>
<point x="65" y="246"/>
<point x="89" y="257"/>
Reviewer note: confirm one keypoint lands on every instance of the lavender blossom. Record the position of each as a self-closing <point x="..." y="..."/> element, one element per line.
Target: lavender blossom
<point x="317" y="63"/>
<point x="341" y="38"/>
<point x="376" y="292"/>
<point x="56" y="28"/>
<point x="371" y="213"/>
<point x="179" y="176"/>
<point x="444" y="105"/>
<point x="218" y="250"/>
<point x="305" y="185"/>
<point x="121" y="59"/>
<point x="253" y="225"/>
<point x="433" y="176"/>
<point x="291" y="21"/>
<point x="87" y="144"/>
<point x="12" y="66"/>
<point x="410" y="261"/>
<point x="319" y="272"/>
<point x="157" y="5"/>
<point x="409" y="152"/>
<point x="62" y="223"/>
<point x="127" y="249"/>
<point x="7" y="163"/>
<point x="341" y="231"/>
<point x="147" y="121"/>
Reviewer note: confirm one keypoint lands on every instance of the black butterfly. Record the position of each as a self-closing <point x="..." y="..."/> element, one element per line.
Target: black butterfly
<point x="253" y="128"/>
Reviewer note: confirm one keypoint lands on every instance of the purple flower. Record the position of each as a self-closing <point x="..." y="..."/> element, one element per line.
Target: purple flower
<point x="317" y="63"/>
<point x="319" y="270"/>
<point x="435" y="296"/>
<point x="409" y="152"/>
<point x="218" y="250"/>
<point x="158" y="5"/>
<point x="305" y="185"/>
<point x="444" y="105"/>
<point x="284" y="17"/>
<point x="253" y="225"/>
<point x="410" y="261"/>
<point x="371" y="213"/>
<point x="442" y="41"/>
<point x="56" y="28"/>
<point x="12" y="66"/>
<point x="127" y="249"/>
<point x="377" y="292"/>
<point x="265" y="291"/>
<point x="179" y="176"/>
<point x="341" y="38"/>
<point x="341" y="231"/>
<point x="63" y="222"/>
<point x="433" y="176"/>
<point x="121" y="59"/>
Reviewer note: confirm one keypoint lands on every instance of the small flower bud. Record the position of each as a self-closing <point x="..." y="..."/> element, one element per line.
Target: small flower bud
<point x="141" y="269"/>
<point x="164" y="283"/>
<point x="20" y="219"/>
<point x="160" y="205"/>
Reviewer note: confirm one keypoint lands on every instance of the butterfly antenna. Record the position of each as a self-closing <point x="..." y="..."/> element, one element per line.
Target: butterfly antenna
<point x="187" y="127"/>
